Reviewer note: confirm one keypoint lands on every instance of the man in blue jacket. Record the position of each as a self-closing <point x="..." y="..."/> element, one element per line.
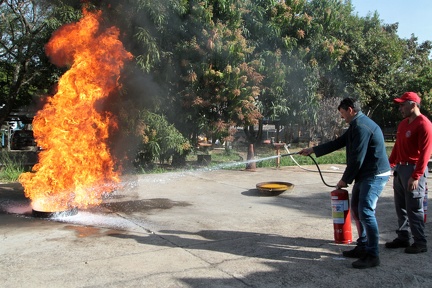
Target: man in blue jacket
<point x="368" y="166"/>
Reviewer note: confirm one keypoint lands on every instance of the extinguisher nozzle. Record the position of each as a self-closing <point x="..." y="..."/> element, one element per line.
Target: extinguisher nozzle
<point x="289" y="154"/>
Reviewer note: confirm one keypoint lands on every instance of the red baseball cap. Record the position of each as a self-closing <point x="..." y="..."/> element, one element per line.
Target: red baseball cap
<point x="408" y="96"/>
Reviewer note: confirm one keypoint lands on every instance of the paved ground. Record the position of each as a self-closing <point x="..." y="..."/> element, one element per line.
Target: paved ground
<point x="208" y="228"/>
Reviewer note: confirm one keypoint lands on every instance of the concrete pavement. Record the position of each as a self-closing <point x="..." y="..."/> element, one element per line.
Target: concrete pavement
<point x="203" y="228"/>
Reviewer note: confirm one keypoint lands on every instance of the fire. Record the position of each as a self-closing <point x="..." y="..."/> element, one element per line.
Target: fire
<point x="75" y="167"/>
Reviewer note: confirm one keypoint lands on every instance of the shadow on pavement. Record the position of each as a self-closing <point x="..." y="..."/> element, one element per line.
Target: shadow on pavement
<point x="248" y="244"/>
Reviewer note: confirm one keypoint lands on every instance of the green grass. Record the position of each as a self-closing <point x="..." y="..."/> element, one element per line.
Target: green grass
<point x="11" y="167"/>
<point x="337" y="157"/>
<point x="239" y="155"/>
<point x="226" y="156"/>
<point x="235" y="158"/>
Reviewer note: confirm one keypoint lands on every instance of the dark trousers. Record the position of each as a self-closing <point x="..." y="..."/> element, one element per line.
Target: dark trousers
<point x="409" y="205"/>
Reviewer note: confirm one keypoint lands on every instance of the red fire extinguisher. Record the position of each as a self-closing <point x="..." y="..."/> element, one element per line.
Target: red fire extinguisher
<point x="341" y="216"/>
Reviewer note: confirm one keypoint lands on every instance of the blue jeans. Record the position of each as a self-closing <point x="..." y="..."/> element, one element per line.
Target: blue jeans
<point x="365" y="194"/>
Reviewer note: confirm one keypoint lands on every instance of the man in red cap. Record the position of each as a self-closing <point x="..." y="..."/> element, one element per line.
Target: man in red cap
<point x="409" y="158"/>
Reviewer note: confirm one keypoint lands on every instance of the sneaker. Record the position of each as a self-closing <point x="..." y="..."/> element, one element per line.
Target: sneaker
<point x="416" y="248"/>
<point x="367" y="261"/>
<point x="397" y="243"/>
<point x="357" y="252"/>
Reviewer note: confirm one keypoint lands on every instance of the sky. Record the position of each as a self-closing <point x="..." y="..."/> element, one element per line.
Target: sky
<point x="413" y="15"/>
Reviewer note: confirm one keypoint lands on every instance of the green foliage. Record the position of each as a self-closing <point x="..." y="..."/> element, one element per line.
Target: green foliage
<point x="25" y="71"/>
<point x="219" y="86"/>
<point x="209" y="65"/>
<point x="160" y="140"/>
<point x="11" y="167"/>
<point x="380" y="66"/>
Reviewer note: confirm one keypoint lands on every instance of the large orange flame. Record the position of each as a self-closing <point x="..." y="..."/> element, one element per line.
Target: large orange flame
<point x="75" y="167"/>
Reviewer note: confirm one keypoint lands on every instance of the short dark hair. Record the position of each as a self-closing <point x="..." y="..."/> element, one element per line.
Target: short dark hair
<point x="350" y="102"/>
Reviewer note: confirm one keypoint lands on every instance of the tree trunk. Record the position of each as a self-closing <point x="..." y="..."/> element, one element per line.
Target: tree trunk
<point x="251" y="156"/>
<point x="252" y="137"/>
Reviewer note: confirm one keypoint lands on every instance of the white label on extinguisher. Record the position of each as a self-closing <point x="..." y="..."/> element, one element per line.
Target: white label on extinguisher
<point x="338" y="211"/>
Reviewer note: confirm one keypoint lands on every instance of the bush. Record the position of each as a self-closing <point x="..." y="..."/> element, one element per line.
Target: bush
<point x="160" y="142"/>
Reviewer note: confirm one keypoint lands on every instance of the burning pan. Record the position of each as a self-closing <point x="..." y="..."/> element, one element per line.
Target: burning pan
<point x="54" y="214"/>
<point x="274" y="187"/>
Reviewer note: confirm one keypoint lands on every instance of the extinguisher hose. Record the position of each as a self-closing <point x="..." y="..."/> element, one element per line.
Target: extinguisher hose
<point x="319" y="170"/>
<point x="316" y="164"/>
<point x="303" y="168"/>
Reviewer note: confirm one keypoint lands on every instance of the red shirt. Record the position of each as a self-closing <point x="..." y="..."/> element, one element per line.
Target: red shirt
<point x="413" y="144"/>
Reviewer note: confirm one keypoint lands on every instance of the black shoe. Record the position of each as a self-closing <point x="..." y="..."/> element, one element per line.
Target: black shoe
<point x="397" y="243"/>
<point x="357" y="252"/>
<point x="415" y="249"/>
<point x="367" y="261"/>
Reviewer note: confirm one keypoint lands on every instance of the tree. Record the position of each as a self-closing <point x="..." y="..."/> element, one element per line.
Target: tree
<point x="197" y="53"/>
<point x="21" y="51"/>
<point x="25" y="72"/>
<point x="379" y="66"/>
<point x="219" y="75"/>
<point x="209" y="65"/>
<point x="418" y="76"/>
<point x="299" y="46"/>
